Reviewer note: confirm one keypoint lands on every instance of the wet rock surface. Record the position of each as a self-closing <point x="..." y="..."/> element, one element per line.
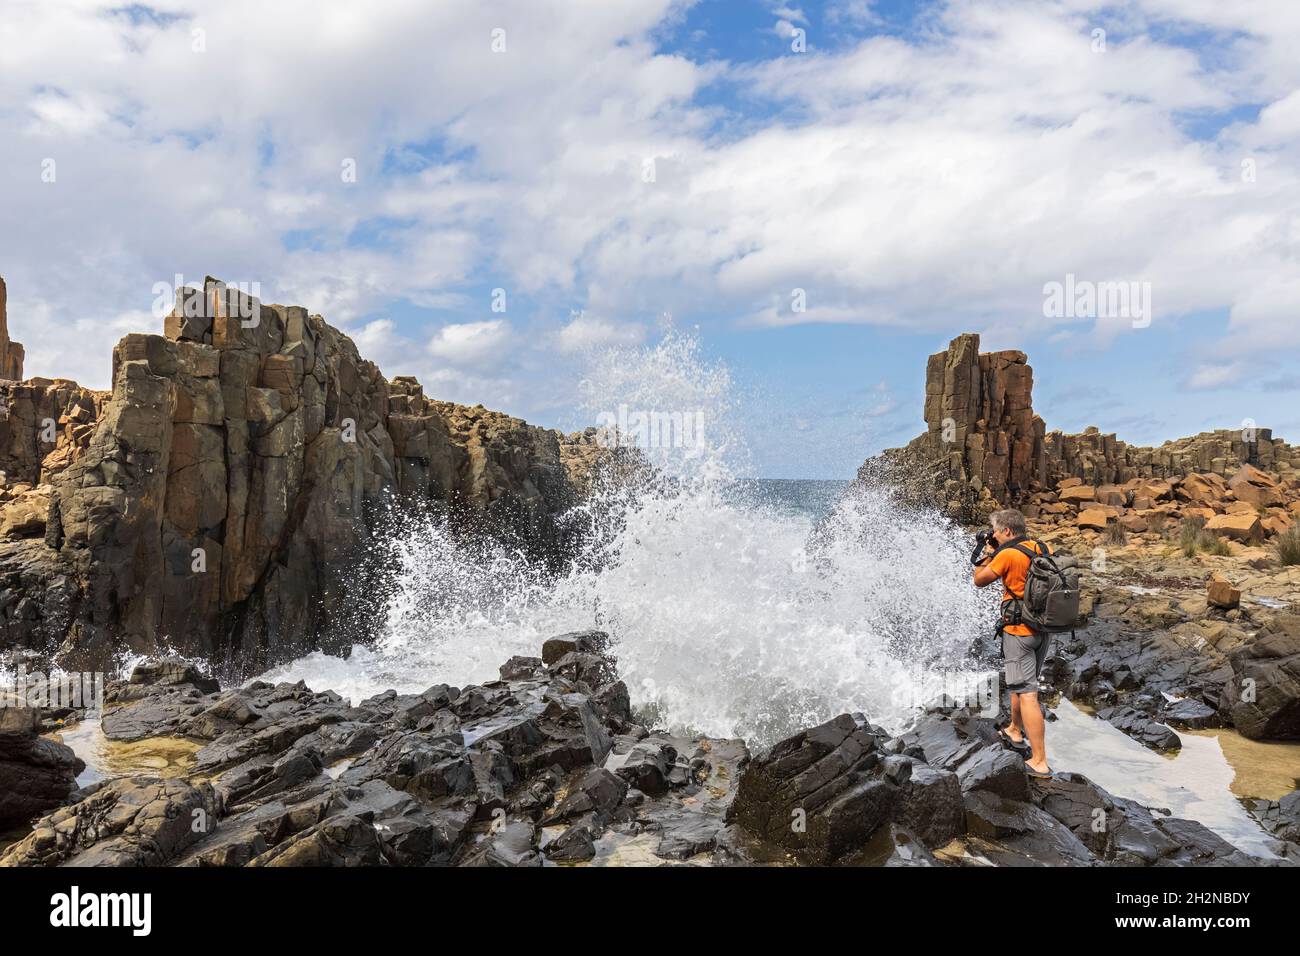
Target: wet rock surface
<point x="544" y="768"/>
<point x="1280" y="817"/>
<point x="1262" y="699"/>
<point x="36" y="773"/>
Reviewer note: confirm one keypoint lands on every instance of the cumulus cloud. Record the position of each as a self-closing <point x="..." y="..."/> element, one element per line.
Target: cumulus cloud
<point x="923" y="182"/>
<point x="586" y="332"/>
<point x="471" y="343"/>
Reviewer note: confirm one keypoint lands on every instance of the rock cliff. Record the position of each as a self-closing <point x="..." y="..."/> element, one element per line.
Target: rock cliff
<point x="984" y="446"/>
<point x="11" y="353"/>
<point x="222" y="499"/>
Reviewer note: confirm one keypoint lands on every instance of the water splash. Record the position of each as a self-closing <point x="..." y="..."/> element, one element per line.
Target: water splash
<point x="731" y="615"/>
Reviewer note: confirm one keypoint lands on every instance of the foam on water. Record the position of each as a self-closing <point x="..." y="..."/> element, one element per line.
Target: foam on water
<point x="731" y="615"/>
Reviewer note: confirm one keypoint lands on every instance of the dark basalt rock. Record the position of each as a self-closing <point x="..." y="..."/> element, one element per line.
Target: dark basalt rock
<point x="172" y="671"/>
<point x="931" y="805"/>
<point x="996" y="770"/>
<point x="277" y="451"/>
<point x="1023" y="832"/>
<point x="523" y="668"/>
<point x="1280" y="817"/>
<point x="542" y="766"/>
<point x="646" y="764"/>
<point x="947" y="742"/>
<point x="133" y="821"/>
<point x="1262" y="700"/>
<point x="574" y="845"/>
<point x="590" y="669"/>
<point x="575" y="642"/>
<point x="344" y="839"/>
<point x="1109" y="661"/>
<point x="513" y="844"/>
<point x="599" y="792"/>
<point x="36" y="773"/>
<point x="1192" y="714"/>
<point x="905" y="848"/>
<point x="1142" y="728"/>
<point x="814" y="792"/>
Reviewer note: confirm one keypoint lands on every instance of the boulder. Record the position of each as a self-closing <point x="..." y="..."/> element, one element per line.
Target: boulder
<point x="1134" y="523"/>
<point x="1112" y="495"/>
<point x="1192" y="714"/>
<point x="1238" y="527"/>
<point x="131" y="821"/>
<point x="1280" y="817"/>
<point x="1220" y="593"/>
<point x="36" y="773"/>
<point x="1255" y="487"/>
<point x="1142" y="728"/>
<point x="813" y="792"/>
<point x="1094" y="519"/>
<point x="1262" y="698"/>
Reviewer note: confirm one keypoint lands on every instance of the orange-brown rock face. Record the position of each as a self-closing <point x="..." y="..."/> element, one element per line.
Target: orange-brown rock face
<point x="982" y="444"/>
<point x="11" y="353"/>
<point x="984" y="447"/>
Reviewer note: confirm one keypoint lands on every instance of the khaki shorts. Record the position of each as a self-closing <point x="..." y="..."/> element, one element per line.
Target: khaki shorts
<point x="1023" y="657"/>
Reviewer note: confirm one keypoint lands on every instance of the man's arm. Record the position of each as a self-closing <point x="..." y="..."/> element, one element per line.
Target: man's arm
<point x="988" y="571"/>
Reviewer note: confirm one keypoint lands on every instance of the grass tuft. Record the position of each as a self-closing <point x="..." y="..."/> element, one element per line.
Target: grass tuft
<point x="1288" y="546"/>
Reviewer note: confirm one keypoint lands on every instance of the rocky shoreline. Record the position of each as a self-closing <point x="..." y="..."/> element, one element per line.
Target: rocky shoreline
<point x="549" y="765"/>
<point x="1192" y="548"/>
<point x="229" y="441"/>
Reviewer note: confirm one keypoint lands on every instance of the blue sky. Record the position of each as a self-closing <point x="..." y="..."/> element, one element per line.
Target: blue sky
<point x="913" y="170"/>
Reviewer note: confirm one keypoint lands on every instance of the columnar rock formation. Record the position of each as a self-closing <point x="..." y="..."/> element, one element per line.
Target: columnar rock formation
<point x="220" y="500"/>
<point x="980" y="419"/>
<point x="11" y="353"/>
<point x="984" y="446"/>
<point x="1102" y="459"/>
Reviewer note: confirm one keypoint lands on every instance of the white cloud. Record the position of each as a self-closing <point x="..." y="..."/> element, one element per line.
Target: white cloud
<point x="471" y="343"/>
<point x="852" y="12"/>
<point x="585" y="332"/>
<point x="905" y="183"/>
<point x="1218" y="375"/>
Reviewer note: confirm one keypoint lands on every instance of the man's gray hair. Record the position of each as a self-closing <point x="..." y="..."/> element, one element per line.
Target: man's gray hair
<point x="1009" y="520"/>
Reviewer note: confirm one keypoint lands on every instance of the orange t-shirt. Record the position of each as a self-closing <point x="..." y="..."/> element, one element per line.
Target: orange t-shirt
<point x="1013" y="568"/>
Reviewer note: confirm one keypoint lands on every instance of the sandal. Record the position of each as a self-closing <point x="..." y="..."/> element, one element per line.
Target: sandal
<point x="1021" y="744"/>
<point x="1041" y="776"/>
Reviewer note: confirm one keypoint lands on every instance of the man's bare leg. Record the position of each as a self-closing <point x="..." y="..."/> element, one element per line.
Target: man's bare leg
<point x="1031" y="717"/>
<point x="1015" y="730"/>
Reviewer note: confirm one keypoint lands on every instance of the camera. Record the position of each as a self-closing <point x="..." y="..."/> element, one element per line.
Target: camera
<point x="983" y="539"/>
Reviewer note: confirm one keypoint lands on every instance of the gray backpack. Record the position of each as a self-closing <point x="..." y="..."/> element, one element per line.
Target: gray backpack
<point x="1051" y="599"/>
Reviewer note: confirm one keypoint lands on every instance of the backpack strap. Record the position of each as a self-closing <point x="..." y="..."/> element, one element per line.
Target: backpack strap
<point x="1013" y="543"/>
<point x="1044" y="552"/>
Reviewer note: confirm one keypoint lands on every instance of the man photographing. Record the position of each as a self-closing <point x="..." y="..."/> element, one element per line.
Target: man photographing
<point x="1006" y="556"/>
